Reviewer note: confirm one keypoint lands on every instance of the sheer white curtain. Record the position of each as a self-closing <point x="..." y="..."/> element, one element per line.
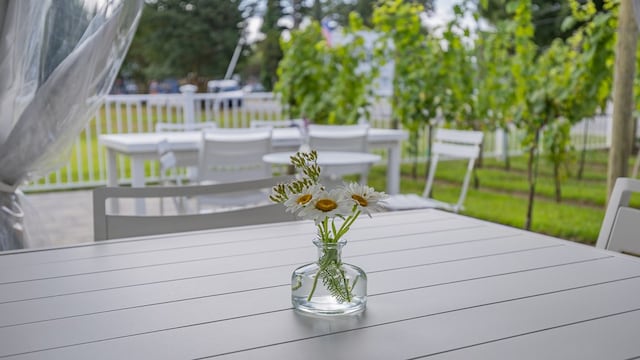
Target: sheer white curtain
<point x="57" y="59"/>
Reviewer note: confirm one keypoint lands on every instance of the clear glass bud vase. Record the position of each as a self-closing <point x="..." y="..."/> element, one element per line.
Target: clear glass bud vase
<point x="329" y="286"/>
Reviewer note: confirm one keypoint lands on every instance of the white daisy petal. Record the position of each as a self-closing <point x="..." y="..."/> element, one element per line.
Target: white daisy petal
<point x="328" y="205"/>
<point x="296" y="202"/>
<point x="365" y="197"/>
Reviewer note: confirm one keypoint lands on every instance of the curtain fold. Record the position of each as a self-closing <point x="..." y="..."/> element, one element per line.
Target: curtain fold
<point x="58" y="58"/>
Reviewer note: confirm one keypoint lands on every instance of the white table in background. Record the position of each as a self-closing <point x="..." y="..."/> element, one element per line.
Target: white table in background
<point x="441" y="286"/>
<point x="141" y="147"/>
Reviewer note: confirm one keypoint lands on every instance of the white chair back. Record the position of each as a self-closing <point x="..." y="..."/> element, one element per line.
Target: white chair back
<point x="450" y="144"/>
<point x="168" y="173"/>
<point x="167" y="157"/>
<point x="349" y="138"/>
<point x="170" y="160"/>
<point x="111" y="226"/>
<point x="338" y="137"/>
<point x="619" y="230"/>
<point x="455" y="144"/>
<point x="228" y="155"/>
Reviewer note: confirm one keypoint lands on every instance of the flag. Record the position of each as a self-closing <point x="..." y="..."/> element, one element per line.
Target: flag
<point x="326" y="31"/>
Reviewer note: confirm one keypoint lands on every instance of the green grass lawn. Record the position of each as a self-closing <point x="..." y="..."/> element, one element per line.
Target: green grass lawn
<point x="501" y="195"/>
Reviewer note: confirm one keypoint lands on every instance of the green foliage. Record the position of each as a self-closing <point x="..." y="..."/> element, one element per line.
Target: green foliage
<point x="495" y="82"/>
<point x="557" y="86"/>
<point x="417" y="75"/>
<point x="340" y="10"/>
<point x="557" y="142"/>
<point x="270" y="46"/>
<point x="460" y="73"/>
<point x="271" y="56"/>
<point x="301" y="82"/>
<point x="534" y="94"/>
<point x="175" y="38"/>
<point x="594" y="43"/>
<point x="324" y="83"/>
<point x="333" y="278"/>
<point x="549" y="18"/>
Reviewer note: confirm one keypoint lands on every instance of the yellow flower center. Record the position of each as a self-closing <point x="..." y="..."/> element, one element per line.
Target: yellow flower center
<point x="360" y="200"/>
<point x="304" y="199"/>
<point x="326" y="205"/>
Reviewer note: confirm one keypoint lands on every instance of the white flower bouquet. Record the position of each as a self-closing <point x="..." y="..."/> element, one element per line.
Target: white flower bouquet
<point x="333" y="211"/>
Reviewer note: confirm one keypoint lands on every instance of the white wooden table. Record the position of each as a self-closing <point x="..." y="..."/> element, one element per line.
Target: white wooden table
<point x="141" y="147"/>
<point x="441" y="286"/>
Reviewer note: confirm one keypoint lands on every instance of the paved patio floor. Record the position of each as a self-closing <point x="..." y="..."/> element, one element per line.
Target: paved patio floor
<point x="66" y="216"/>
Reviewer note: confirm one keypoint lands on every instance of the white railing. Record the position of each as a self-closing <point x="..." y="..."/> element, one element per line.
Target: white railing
<point x="139" y="113"/>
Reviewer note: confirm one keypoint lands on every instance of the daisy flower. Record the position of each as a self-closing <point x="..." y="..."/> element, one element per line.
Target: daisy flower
<point x="298" y="201"/>
<point x="365" y="197"/>
<point x="327" y="205"/>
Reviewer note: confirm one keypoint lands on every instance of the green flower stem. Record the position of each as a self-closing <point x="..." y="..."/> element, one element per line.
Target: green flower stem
<point x="347" y="225"/>
<point x="330" y="235"/>
<point x="346" y="286"/>
<point x="322" y="266"/>
<point x="315" y="283"/>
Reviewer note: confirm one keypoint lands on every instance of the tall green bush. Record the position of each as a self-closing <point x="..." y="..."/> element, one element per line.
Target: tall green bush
<point x="326" y="82"/>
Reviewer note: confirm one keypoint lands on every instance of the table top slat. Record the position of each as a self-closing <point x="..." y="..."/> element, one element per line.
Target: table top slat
<point x="388" y="222"/>
<point x="384" y="279"/>
<point x="487" y="317"/>
<point x="440" y="285"/>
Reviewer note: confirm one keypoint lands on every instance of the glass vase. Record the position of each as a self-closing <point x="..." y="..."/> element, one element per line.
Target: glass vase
<point x="329" y="286"/>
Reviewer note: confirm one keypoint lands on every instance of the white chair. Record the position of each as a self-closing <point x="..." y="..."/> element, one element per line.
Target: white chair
<point x="347" y="138"/>
<point x="111" y="226"/>
<point x="231" y="155"/>
<point x="172" y="163"/>
<point x="621" y="224"/>
<point x="299" y="124"/>
<point x="168" y="174"/>
<point x="451" y="144"/>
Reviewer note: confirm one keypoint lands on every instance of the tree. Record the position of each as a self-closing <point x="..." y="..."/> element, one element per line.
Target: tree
<point x="622" y="133"/>
<point x="560" y="62"/>
<point x="495" y="94"/>
<point x="323" y="83"/>
<point x="554" y="89"/>
<point x="177" y="37"/>
<point x="531" y="108"/>
<point x="70" y="18"/>
<point x="459" y="73"/>
<point x="340" y="10"/>
<point x="418" y="77"/>
<point x="591" y="78"/>
<point x="301" y="83"/>
<point x="547" y="17"/>
<point x="270" y="50"/>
